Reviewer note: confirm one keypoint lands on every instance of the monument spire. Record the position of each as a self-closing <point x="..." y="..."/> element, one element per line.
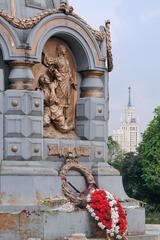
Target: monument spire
<point x="129" y="99"/>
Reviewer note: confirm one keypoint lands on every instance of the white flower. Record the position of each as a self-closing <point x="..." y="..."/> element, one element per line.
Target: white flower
<point x="112" y="203"/>
<point x="119" y="237"/>
<point x="93" y="214"/>
<point x="101" y="225"/>
<point x="109" y="196"/>
<point x="117" y="229"/>
<point x="88" y="198"/>
<point x="96" y="218"/>
<point x="88" y="207"/>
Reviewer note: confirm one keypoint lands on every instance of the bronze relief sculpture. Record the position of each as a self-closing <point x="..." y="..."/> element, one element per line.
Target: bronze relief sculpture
<point x="59" y="84"/>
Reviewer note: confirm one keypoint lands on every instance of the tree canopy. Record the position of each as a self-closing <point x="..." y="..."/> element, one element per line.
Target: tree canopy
<point x="141" y="170"/>
<point x="149" y="157"/>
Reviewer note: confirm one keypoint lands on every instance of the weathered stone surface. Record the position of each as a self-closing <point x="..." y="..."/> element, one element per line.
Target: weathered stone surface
<point x="30" y="223"/>
<point x="91" y="109"/>
<point x="92" y="130"/>
<point x="1" y="103"/>
<point x="23" y="102"/>
<point x="136" y="219"/>
<point x="1" y="137"/>
<point x="23" y="126"/>
<point x="23" y="149"/>
<point x="26" y="190"/>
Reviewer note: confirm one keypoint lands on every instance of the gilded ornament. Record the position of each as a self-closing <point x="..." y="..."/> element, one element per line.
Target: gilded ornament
<point x="14" y="148"/>
<point x="14" y="103"/>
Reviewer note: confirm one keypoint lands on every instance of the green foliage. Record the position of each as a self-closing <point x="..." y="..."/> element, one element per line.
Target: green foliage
<point x="141" y="171"/>
<point x="149" y="158"/>
<point x="153" y="214"/>
<point x="115" y="153"/>
<point x="153" y="218"/>
<point x="131" y="173"/>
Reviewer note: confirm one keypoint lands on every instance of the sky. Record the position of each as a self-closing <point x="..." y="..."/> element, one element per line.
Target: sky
<point x="135" y="33"/>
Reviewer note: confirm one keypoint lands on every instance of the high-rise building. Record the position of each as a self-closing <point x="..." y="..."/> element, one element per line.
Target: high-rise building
<point x="128" y="135"/>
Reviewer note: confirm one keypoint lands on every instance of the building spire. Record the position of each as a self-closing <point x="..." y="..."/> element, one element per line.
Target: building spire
<point x="129" y="99"/>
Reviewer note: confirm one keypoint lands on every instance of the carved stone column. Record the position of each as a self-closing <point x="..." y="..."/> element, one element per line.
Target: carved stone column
<point x="91" y="123"/>
<point x="92" y="85"/>
<point x="21" y="75"/>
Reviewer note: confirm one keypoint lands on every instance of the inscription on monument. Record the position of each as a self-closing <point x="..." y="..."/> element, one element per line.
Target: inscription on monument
<point x="55" y="150"/>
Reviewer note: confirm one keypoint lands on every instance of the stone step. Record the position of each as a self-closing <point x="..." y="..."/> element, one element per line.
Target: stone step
<point x="137" y="237"/>
<point x="151" y="234"/>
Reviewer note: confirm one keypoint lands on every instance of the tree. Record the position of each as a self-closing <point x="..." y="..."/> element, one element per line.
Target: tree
<point x="115" y="153"/>
<point x="141" y="171"/>
<point x="149" y="158"/>
<point x="131" y="172"/>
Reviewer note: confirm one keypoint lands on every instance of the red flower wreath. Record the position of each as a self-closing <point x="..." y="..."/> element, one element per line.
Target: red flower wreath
<point x="108" y="212"/>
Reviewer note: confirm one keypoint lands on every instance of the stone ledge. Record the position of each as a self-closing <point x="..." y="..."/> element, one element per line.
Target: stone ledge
<point x="138" y="237"/>
<point x="152" y="233"/>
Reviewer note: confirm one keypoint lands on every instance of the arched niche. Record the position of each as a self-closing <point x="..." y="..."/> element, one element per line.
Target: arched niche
<point x="59" y="67"/>
<point x="78" y="37"/>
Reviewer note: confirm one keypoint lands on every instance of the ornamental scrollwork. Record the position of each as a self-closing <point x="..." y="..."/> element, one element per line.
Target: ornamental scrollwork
<point x="29" y="23"/>
<point x="107" y="36"/>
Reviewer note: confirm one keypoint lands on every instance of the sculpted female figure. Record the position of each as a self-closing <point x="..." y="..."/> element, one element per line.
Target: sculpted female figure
<point x="61" y="71"/>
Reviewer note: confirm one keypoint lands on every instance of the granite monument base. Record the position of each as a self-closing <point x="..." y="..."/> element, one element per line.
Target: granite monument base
<point x="25" y="185"/>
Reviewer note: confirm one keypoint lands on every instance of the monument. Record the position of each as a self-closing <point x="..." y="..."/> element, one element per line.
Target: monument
<point x="53" y="122"/>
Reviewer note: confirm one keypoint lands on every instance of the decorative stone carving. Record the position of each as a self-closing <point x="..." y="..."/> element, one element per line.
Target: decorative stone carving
<point x="14" y="148"/>
<point x="26" y="23"/>
<point x="57" y="80"/>
<point x="106" y="32"/>
<point x="32" y="21"/>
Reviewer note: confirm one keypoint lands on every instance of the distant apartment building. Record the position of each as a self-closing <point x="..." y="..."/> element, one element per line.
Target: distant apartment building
<point x="128" y="135"/>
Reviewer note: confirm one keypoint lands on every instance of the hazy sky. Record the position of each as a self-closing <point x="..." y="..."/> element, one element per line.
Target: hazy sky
<point x="135" y="31"/>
